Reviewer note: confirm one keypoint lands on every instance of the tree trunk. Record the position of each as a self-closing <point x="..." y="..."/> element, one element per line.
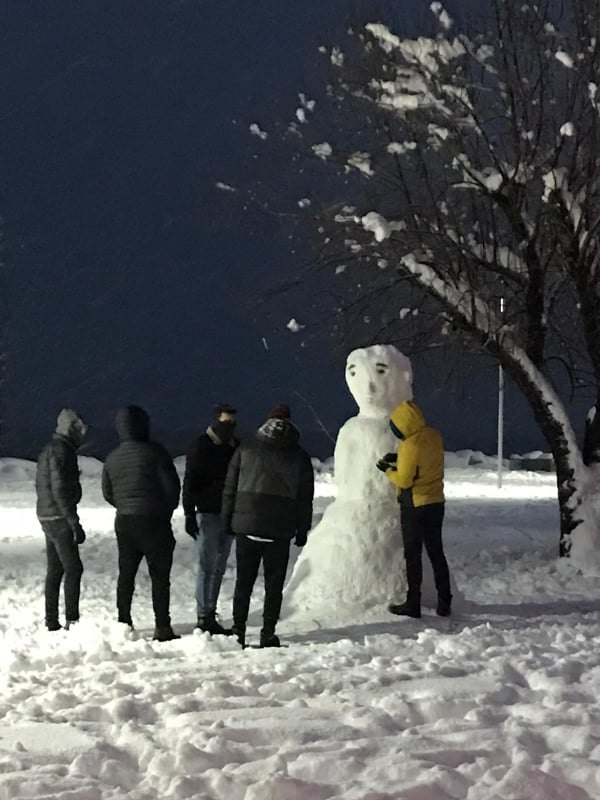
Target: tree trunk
<point x="552" y="420"/>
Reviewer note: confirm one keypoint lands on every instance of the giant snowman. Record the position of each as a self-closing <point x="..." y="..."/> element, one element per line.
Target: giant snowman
<point x="354" y="557"/>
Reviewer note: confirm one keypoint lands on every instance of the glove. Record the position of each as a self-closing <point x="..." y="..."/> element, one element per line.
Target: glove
<point x="391" y="458"/>
<point x="78" y="534"/>
<point x="300" y="539"/>
<point x="191" y="526"/>
<point x="384" y="465"/>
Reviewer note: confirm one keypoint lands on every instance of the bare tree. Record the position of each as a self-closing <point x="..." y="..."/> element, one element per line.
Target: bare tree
<point x="471" y="182"/>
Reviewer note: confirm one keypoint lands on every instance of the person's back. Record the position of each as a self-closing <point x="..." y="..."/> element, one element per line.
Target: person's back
<point x="139" y="479"/>
<point x="273" y="493"/>
<point x="139" y="476"/>
<point x="419" y="474"/>
<point x="267" y="502"/>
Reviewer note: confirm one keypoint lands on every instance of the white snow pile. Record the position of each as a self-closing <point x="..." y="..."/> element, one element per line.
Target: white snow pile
<point x="499" y="702"/>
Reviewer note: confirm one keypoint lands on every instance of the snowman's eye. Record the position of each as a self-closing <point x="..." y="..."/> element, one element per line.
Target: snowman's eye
<point x="382" y="368"/>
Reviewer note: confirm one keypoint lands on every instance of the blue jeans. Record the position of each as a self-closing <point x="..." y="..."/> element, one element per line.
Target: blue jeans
<point x="213" y="551"/>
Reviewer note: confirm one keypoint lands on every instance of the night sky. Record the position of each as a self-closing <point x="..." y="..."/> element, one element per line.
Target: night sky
<point x="129" y="278"/>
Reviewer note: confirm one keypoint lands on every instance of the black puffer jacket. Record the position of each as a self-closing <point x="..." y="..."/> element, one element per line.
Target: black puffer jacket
<point x="139" y="476"/>
<point x="270" y="484"/>
<point x="206" y="465"/>
<point x="57" y="481"/>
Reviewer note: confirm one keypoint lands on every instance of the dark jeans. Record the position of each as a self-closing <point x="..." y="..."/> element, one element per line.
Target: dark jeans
<point x="423" y="526"/>
<point x="140" y="536"/>
<point x="62" y="555"/>
<point x="249" y="554"/>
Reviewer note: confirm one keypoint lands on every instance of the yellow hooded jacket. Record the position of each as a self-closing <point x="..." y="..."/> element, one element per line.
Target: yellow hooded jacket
<point x="420" y="466"/>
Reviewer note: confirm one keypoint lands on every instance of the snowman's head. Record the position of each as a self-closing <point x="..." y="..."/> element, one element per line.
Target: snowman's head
<point x="379" y="378"/>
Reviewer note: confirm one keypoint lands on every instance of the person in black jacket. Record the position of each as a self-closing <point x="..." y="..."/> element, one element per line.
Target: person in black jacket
<point x="207" y="459"/>
<point x="140" y="481"/>
<point x="58" y="492"/>
<point x="267" y="502"/>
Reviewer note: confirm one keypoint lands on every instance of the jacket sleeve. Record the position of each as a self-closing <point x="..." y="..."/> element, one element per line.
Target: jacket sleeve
<point x="306" y="490"/>
<point x="230" y="488"/>
<point x="169" y="479"/>
<point x="404" y="475"/>
<point x="192" y="478"/>
<point x="107" y="489"/>
<point x="64" y="484"/>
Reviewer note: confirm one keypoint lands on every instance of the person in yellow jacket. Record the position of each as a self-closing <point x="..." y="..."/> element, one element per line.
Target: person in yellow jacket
<point x="417" y="472"/>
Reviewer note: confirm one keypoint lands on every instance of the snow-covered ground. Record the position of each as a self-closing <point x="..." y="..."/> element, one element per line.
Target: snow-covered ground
<point x="501" y="703"/>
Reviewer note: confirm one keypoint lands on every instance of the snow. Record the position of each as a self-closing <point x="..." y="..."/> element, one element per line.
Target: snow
<point x="568" y="129"/>
<point x="380" y="227"/>
<point x="498" y="703"/>
<point x="225" y="187"/>
<point x="322" y="150"/>
<point x="361" y="162"/>
<point x="444" y="18"/>
<point x="564" y="58"/>
<point x="294" y="326"/>
<point x="256" y="130"/>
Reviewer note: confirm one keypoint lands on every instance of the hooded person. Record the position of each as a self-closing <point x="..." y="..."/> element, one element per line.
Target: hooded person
<point x="417" y="472"/>
<point x="206" y="464"/>
<point x="267" y="502"/>
<point x="58" y="492"/>
<point x="139" y="479"/>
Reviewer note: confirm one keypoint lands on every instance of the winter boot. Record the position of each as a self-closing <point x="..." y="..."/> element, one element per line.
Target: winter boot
<point x="269" y="639"/>
<point x="126" y="621"/>
<point x="240" y="634"/>
<point x="165" y="633"/>
<point x="407" y="609"/>
<point x="210" y="624"/>
<point x="70" y="623"/>
<point x="54" y="626"/>
<point x="444" y="606"/>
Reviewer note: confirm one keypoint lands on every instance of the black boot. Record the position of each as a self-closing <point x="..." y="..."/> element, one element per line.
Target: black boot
<point x="407" y="609"/>
<point x="54" y="626"/>
<point x="269" y="639"/>
<point x="444" y="606"/>
<point x="240" y="634"/>
<point x="165" y="633"/>
<point x="209" y="624"/>
<point x="70" y="623"/>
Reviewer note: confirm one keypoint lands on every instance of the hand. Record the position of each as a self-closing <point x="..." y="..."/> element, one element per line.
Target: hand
<point x="78" y="534"/>
<point x="383" y="465"/>
<point x="391" y="458"/>
<point x="191" y="526"/>
<point x="229" y="531"/>
<point x="300" y="539"/>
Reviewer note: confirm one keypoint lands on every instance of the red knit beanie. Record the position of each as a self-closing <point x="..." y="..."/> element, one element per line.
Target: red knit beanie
<point x="280" y="411"/>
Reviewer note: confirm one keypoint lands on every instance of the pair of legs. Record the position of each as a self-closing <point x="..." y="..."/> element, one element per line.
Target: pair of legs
<point x="140" y="536"/>
<point x="274" y="557"/>
<point x="62" y="556"/>
<point x="422" y="526"/>
<point x="213" y="547"/>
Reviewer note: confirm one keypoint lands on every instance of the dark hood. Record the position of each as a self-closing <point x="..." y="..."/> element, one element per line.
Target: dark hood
<point x="133" y="423"/>
<point x="279" y="433"/>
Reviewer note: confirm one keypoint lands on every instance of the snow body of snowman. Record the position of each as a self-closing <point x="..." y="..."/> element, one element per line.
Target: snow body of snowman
<point x="354" y="557"/>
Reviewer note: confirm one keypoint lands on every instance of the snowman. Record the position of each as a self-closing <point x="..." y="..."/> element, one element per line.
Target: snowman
<point x="354" y="560"/>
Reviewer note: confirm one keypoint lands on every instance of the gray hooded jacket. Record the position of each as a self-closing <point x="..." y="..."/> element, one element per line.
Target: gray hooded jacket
<point x="57" y="483"/>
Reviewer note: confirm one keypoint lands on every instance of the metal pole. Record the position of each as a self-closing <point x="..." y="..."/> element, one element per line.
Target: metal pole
<point x="500" y="411"/>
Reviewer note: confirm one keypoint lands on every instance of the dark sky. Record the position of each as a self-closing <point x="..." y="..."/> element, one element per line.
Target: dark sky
<point x="129" y="276"/>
